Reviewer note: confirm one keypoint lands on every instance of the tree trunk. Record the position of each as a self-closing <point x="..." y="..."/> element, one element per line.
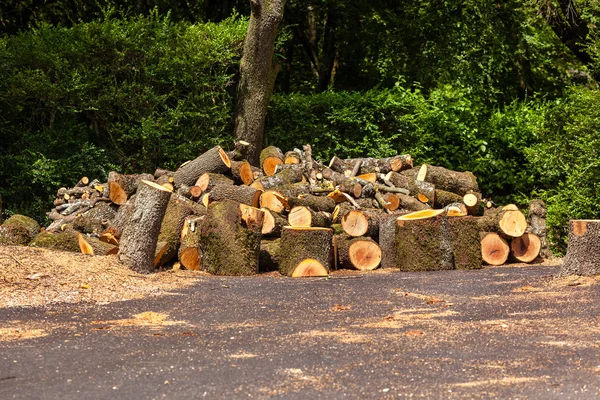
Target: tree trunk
<point x="258" y="71"/>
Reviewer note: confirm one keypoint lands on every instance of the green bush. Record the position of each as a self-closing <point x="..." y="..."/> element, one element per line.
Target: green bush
<point x="124" y="94"/>
<point x="567" y="159"/>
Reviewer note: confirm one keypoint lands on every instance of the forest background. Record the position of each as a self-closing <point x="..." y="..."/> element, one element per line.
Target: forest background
<point x="507" y="89"/>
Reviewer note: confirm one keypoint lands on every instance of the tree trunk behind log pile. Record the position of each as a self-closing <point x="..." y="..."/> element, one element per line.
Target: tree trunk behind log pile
<point x="465" y="241"/>
<point x="240" y="151"/>
<point x="537" y="225"/>
<point x="189" y="253"/>
<point x="422" y="242"/>
<point x="494" y="249"/>
<point x="361" y="253"/>
<point x="214" y="160"/>
<point x="583" y="251"/>
<point x="230" y="238"/>
<point x="140" y="233"/>
<point x="170" y="230"/>
<point x="305" y="251"/>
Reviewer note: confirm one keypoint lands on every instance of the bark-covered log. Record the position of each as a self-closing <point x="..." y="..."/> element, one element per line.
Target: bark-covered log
<point x="209" y="180"/>
<point x="269" y="257"/>
<point x="387" y="242"/>
<point x="370" y="165"/>
<point x="525" y="248"/>
<point x="96" y="220"/>
<point x="93" y="246"/>
<point x="140" y="233"/>
<point x="230" y="238"/>
<point x="452" y="181"/>
<point x="301" y="216"/>
<point x="292" y="157"/>
<point x="189" y="253"/>
<point x="158" y="172"/>
<point x="473" y="203"/>
<point x="170" y="230"/>
<point x="340" y="210"/>
<point x="494" y="249"/>
<point x="422" y="242"/>
<point x="583" y="251"/>
<point x="443" y="198"/>
<point x="189" y="192"/>
<point x="537" y="225"/>
<point x="242" y="194"/>
<point x="465" y="242"/>
<point x="456" y="210"/>
<point x="240" y="151"/>
<point x="305" y="251"/>
<point x="409" y="203"/>
<point x="121" y="187"/>
<point x="273" y="223"/>
<point x="509" y="222"/>
<point x="285" y="177"/>
<point x="115" y="229"/>
<point x="214" y="160"/>
<point x="361" y="253"/>
<point x="270" y="158"/>
<point x="316" y="203"/>
<point x="29" y="224"/>
<point x="242" y="172"/>
<point x="14" y="235"/>
<point x="66" y="240"/>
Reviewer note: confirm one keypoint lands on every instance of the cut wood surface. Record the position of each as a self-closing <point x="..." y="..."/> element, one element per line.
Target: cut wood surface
<point x="189" y="253"/>
<point x="305" y="251"/>
<point x="511" y="223"/>
<point x="273" y="223"/>
<point x="292" y="157"/>
<point x="526" y="248"/>
<point x="473" y="203"/>
<point x="121" y="187"/>
<point x="170" y="230"/>
<point x="242" y="172"/>
<point x="361" y="253"/>
<point x="209" y="180"/>
<point x="301" y="216"/>
<point x="270" y="158"/>
<point x="583" y="251"/>
<point x="214" y="160"/>
<point x="355" y="223"/>
<point x="494" y="249"/>
<point x="273" y="201"/>
<point x="137" y="244"/>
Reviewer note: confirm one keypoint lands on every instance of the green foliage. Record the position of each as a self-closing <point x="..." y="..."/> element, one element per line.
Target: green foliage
<point x="124" y="94"/>
<point x="567" y="158"/>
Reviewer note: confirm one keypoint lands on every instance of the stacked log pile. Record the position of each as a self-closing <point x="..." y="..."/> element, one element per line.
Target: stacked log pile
<point x="292" y="213"/>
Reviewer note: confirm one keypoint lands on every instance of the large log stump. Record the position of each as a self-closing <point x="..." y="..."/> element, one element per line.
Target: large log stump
<point x="305" y="251"/>
<point x="140" y="233"/>
<point x="466" y="246"/>
<point x="230" y="238"/>
<point x="18" y="230"/>
<point x="583" y="251"/>
<point x="422" y="242"/>
<point x="214" y="160"/>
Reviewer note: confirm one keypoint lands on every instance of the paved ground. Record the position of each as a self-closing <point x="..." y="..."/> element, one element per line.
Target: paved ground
<point x="495" y="333"/>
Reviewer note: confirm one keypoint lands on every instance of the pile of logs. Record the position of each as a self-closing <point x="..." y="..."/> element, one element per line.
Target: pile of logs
<point x="291" y="213"/>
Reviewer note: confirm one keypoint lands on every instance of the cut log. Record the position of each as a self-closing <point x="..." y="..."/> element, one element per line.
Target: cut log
<point x="230" y="238"/>
<point x="510" y="223"/>
<point x="84" y="181"/>
<point x="465" y="242"/>
<point x="270" y="158"/>
<point x="14" y="235"/>
<point x="370" y="165"/>
<point x="355" y="223"/>
<point x="451" y="181"/>
<point x="494" y="249"/>
<point x="209" y="180"/>
<point x="409" y="203"/>
<point x="242" y="194"/>
<point x="115" y="229"/>
<point x="121" y="187"/>
<point x="525" y="248"/>
<point x="158" y="172"/>
<point x="301" y="216"/>
<point x="422" y="242"/>
<point x="360" y="253"/>
<point x="269" y="257"/>
<point x="242" y="172"/>
<point x="65" y="241"/>
<point x="273" y="201"/>
<point x="583" y="251"/>
<point x="96" y="220"/>
<point x="273" y="223"/>
<point x="473" y="203"/>
<point x="189" y="253"/>
<point x="456" y="210"/>
<point x="316" y="203"/>
<point x="443" y="198"/>
<point x="140" y="234"/>
<point x="240" y="151"/>
<point x="340" y="210"/>
<point x="392" y="200"/>
<point x="170" y="230"/>
<point x="285" y="177"/>
<point x="214" y="160"/>
<point x="28" y="224"/>
<point x="189" y="192"/>
<point x="292" y="157"/>
<point x="305" y="251"/>
<point x="537" y="225"/>
<point x="93" y="246"/>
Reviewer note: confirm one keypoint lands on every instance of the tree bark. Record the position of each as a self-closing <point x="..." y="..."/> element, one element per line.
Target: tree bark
<point x="583" y="252"/>
<point x="258" y="71"/>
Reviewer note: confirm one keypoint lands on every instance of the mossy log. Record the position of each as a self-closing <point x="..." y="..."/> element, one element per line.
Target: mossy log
<point x="583" y="251"/>
<point x="214" y="160"/>
<point x="301" y="216"/>
<point x="27" y="223"/>
<point x="242" y="194"/>
<point x="95" y="220"/>
<point x="137" y="245"/>
<point x="121" y="187"/>
<point x="170" y="230"/>
<point x="465" y="242"/>
<point x="242" y="172"/>
<point x="494" y="249"/>
<point x="270" y="158"/>
<point x="316" y="203"/>
<point x="370" y="165"/>
<point x="189" y="253"/>
<point x="444" y="198"/>
<point x="536" y="220"/>
<point x="509" y="222"/>
<point x="451" y="181"/>
<point x="273" y="223"/>
<point x="361" y="253"/>
<point x="285" y="177"/>
<point x="230" y="238"/>
<point x="269" y="257"/>
<point x="525" y="248"/>
<point x="65" y="240"/>
<point x="13" y="235"/>
<point x="422" y="242"/>
<point x="387" y="242"/>
<point x="209" y="180"/>
<point x="305" y="251"/>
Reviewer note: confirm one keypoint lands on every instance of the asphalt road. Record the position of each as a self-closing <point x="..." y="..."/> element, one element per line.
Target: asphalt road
<point x="495" y="333"/>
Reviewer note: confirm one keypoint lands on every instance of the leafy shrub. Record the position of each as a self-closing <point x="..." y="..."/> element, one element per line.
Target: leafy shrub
<point x="125" y="94"/>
